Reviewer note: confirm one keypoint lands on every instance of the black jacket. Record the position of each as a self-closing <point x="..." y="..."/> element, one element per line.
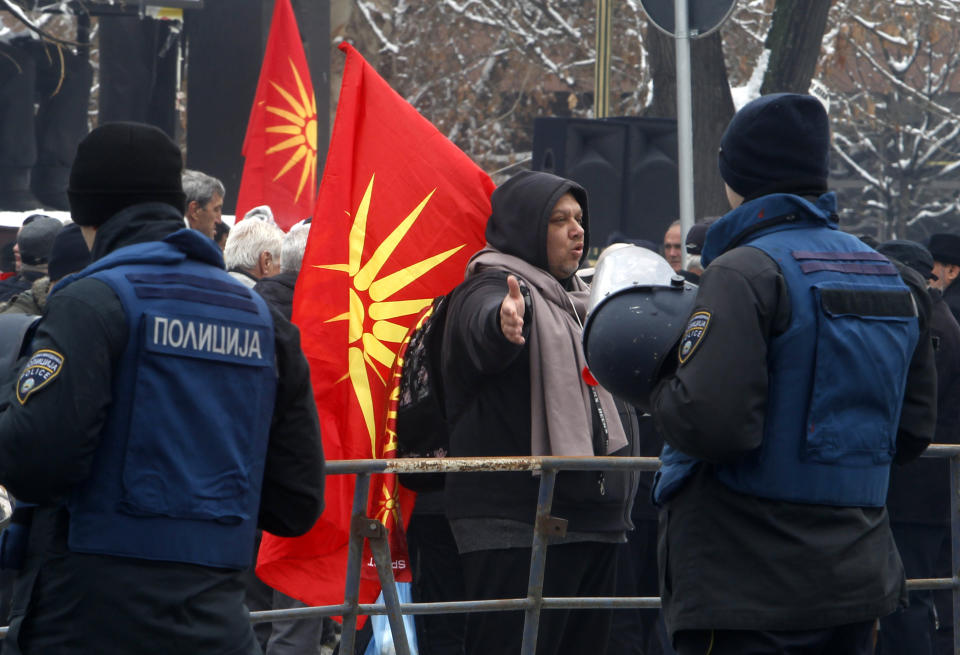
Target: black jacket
<point x="951" y="295"/>
<point x="99" y="603"/>
<point x="487" y="385"/>
<point x="920" y="490"/>
<point x="277" y="290"/>
<point x="734" y="561"/>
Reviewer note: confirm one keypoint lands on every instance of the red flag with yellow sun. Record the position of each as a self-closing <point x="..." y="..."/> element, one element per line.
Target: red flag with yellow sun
<point x="280" y="148"/>
<point x="401" y="209"/>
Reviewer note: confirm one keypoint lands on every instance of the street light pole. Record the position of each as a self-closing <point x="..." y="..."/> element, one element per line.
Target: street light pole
<point x="601" y="70"/>
<point x="684" y="122"/>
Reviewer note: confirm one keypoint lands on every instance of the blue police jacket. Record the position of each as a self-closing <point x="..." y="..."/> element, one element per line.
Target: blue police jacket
<point x="837" y="374"/>
<point x="178" y="471"/>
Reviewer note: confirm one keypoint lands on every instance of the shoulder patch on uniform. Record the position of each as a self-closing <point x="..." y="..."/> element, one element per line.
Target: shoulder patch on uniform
<point x="43" y="367"/>
<point x="696" y="328"/>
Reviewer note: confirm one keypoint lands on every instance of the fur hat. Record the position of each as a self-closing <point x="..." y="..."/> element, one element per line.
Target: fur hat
<point x="778" y="143"/>
<point x="123" y="164"/>
<point x="945" y="248"/>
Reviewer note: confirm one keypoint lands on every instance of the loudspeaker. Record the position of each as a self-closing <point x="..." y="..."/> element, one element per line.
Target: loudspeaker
<point x="628" y="165"/>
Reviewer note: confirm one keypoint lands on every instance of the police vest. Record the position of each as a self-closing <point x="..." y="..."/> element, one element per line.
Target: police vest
<point x="178" y="472"/>
<point x="837" y="374"/>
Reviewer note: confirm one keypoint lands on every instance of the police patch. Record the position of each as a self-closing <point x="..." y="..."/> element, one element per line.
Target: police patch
<point x="40" y="371"/>
<point x="696" y="328"/>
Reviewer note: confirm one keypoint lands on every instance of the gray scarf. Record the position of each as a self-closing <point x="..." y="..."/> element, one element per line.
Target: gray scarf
<point x="561" y="418"/>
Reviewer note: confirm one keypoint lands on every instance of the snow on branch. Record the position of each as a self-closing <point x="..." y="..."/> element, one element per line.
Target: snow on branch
<point x="900" y="84"/>
<point x="875" y="29"/>
<point x="367" y="10"/>
<point x="852" y="163"/>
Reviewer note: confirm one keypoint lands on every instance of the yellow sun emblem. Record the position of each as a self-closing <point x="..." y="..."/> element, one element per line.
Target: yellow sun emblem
<point x="388" y="507"/>
<point x="301" y="124"/>
<point x="370" y="299"/>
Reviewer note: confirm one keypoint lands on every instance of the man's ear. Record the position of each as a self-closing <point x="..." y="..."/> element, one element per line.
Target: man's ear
<point x="263" y="263"/>
<point x="192" y="207"/>
<point x="952" y="271"/>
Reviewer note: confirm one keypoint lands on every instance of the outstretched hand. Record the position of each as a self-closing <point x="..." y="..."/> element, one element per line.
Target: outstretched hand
<point x="511" y="313"/>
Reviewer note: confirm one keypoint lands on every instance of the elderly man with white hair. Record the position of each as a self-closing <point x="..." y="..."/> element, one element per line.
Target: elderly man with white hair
<point x="253" y="250"/>
<point x="278" y="289"/>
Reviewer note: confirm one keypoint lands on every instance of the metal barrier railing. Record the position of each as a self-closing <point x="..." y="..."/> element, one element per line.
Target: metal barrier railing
<point x="545" y="526"/>
<point x="364" y="527"/>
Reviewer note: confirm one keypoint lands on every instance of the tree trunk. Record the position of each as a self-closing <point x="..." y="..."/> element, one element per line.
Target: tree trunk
<point x="712" y="109"/>
<point x="794" y="42"/>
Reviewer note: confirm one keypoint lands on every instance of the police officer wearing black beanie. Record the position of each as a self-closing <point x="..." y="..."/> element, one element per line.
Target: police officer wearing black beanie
<point x="805" y="370"/>
<point x="148" y="477"/>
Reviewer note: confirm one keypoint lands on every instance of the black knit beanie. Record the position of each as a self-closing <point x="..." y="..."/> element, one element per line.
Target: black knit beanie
<point x="123" y="164"/>
<point x="778" y="143"/>
<point x="69" y="254"/>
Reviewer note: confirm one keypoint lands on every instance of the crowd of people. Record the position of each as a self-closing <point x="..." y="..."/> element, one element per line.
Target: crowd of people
<point x="813" y="369"/>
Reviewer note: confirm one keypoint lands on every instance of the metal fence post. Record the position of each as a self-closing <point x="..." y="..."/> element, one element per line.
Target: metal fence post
<point x="545" y="527"/>
<point x="351" y="594"/>
<point x="379" y="546"/>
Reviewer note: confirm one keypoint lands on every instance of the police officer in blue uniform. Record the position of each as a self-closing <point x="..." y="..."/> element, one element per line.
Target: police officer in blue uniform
<point x="163" y="414"/>
<point x="805" y="370"/>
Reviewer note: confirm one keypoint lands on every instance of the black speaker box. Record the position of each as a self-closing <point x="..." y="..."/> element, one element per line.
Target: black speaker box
<point x="628" y="165"/>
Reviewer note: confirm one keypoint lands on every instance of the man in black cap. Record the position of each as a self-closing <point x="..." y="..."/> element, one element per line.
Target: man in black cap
<point x="945" y="249"/>
<point x="804" y="371"/>
<point x="34" y="241"/>
<point x="148" y="488"/>
<point x="919" y="495"/>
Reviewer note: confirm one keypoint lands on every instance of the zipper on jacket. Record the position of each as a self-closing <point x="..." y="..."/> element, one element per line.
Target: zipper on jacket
<point x="606" y="437"/>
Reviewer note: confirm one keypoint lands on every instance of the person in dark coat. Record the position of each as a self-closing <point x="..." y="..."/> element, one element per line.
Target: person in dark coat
<point x="511" y="365"/>
<point x="278" y="289"/>
<point x="300" y="635"/>
<point x="919" y="495"/>
<point x="945" y="249"/>
<point x="774" y="534"/>
<point x="146" y="487"/>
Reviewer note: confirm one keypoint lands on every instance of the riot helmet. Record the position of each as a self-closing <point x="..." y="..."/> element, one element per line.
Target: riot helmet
<point x="637" y="310"/>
